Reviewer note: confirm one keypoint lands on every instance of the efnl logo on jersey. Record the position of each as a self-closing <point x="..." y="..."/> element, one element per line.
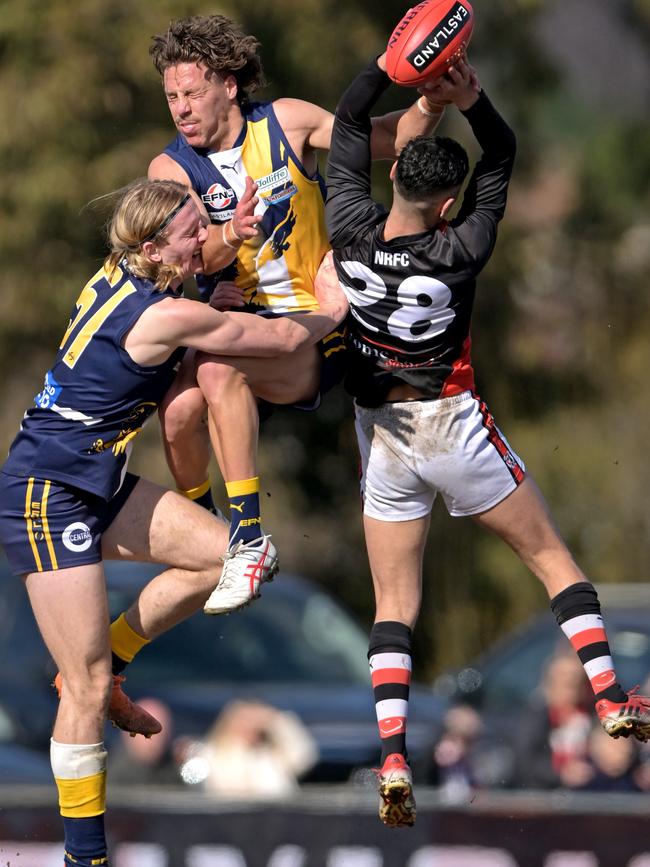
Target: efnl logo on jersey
<point x="221" y="199"/>
<point x="77" y="537"/>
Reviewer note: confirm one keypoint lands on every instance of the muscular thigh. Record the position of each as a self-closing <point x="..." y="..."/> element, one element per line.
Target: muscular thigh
<point x="281" y="380"/>
<point x="160" y="526"/>
<point x="71" y="610"/>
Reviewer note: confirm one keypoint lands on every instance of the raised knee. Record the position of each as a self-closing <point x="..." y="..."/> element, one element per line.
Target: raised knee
<point x="182" y="414"/>
<point x="214" y="378"/>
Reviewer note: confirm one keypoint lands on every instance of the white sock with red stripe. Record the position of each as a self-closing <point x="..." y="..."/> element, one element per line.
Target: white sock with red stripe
<point x="577" y="611"/>
<point x="390" y="669"/>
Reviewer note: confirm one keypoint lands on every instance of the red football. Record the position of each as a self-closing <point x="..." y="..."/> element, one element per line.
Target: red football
<point x="427" y="40"/>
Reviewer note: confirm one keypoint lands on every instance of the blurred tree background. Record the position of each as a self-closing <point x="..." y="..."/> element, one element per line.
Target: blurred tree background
<point x="562" y="316"/>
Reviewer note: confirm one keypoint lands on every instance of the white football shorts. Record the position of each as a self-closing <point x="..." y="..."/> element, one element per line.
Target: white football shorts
<point x="411" y="450"/>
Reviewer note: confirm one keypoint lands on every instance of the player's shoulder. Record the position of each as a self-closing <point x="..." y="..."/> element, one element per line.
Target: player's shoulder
<point x="293" y="114"/>
<point x="164" y="168"/>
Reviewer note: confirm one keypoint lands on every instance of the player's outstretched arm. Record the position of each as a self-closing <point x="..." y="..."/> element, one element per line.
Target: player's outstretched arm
<point x="177" y="322"/>
<point x="485" y="196"/>
<point x="390" y="132"/>
<point x="310" y="127"/>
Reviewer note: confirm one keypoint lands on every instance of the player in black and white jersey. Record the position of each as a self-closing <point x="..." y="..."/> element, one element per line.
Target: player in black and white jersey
<point x="409" y="276"/>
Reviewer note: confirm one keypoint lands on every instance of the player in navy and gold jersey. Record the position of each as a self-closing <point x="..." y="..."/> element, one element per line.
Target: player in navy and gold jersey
<point x="410" y="277"/>
<point x="209" y="69"/>
<point x="68" y="501"/>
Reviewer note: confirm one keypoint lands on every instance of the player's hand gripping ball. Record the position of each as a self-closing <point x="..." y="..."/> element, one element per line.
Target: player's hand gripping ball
<point x="428" y="39"/>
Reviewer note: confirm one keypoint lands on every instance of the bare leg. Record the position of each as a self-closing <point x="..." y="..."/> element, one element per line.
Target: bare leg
<point x="71" y="610"/>
<point x="395" y="552"/>
<point x="72" y="614"/>
<point x="234" y="420"/>
<point x="185" y="437"/>
<point x="525" y="523"/>
<point x="231" y="387"/>
<point x="160" y="526"/>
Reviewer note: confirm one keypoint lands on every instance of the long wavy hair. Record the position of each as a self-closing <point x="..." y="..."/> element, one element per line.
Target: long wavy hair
<point x="143" y="213"/>
<point x="217" y="43"/>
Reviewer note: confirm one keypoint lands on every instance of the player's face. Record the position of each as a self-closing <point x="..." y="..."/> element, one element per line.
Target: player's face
<point x="201" y="103"/>
<point x="183" y="241"/>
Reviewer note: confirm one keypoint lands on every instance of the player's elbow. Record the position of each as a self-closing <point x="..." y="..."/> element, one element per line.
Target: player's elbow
<point x="294" y="336"/>
<point x="283" y="337"/>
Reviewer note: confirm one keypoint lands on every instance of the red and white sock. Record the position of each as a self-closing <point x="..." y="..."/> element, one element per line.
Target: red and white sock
<point x="390" y="669"/>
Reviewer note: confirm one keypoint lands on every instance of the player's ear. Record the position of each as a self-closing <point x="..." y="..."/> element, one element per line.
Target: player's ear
<point x="393" y="171"/>
<point x="230" y="83"/>
<point x="151" y="251"/>
<point x="446" y="206"/>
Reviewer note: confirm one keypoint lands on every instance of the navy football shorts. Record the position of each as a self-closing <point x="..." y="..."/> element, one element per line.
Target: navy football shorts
<point x="47" y="525"/>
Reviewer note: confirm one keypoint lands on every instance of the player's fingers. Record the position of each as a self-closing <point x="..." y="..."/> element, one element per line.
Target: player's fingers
<point x="431" y="84"/>
<point x="250" y="188"/>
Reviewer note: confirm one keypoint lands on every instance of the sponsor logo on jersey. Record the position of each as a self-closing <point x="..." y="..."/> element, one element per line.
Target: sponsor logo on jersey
<point x="266" y="186"/>
<point x="51" y="390"/>
<point x="77" y="537"/>
<point x="274" y="179"/>
<point x="219" y="217"/>
<point x="382" y="257"/>
<point x="281" y="195"/>
<point x="439" y="38"/>
<point x="218" y="197"/>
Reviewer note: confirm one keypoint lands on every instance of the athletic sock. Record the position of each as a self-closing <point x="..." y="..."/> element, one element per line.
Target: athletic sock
<point x="577" y="611"/>
<point x="80" y="775"/>
<point x="389" y="655"/>
<point x="125" y="643"/>
<point x="245" y="521"/>
<point x="202" y="496"/>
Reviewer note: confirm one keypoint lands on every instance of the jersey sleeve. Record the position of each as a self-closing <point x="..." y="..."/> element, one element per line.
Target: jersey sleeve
<point x="349" y="205"/>
<point x="484" y="202"/>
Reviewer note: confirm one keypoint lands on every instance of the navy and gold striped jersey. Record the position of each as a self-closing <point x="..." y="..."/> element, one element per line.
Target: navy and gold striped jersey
<point x="277" y="268"/>
<point x="95" y="399"/>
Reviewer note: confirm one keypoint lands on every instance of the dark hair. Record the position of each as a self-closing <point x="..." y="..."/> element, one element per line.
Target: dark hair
<point x="429" y="165"/>
<point x="217" y="43"/>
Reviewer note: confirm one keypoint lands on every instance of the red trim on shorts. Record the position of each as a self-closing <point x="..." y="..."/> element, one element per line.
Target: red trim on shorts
<point x="391" y="675"/>
<point x="495" y="438"/>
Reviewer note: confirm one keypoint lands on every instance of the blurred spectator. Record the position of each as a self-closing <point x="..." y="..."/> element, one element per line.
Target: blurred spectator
<point x="147" y="761"/>
<point x="253" y="750"/>
<point x="453" y="770"/>
<point x="552" y="739"/>
<point x="613" y="764"/>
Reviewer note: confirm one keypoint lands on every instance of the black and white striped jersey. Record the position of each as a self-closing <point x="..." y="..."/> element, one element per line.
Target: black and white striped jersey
<point x="411" y="298"/>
